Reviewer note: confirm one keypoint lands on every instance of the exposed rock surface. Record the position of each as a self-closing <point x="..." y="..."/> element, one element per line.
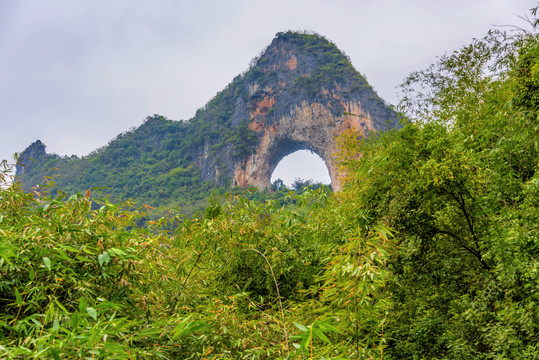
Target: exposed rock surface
<point x="306" y="94"/>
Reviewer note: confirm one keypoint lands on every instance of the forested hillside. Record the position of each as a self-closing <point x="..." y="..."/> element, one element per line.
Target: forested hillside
<point x="431" y="251"/>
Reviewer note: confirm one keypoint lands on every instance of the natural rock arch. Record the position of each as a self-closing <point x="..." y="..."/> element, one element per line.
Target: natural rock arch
<point x="310" y="126"/>
<point x="272" y="157"/>
<point x="301" y="93"/>
<point x="302" y="164"/>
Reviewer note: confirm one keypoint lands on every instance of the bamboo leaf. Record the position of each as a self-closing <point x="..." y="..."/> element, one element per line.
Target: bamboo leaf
<point x="18" y="297"/>
<point x="103" y="258"/>
<point x="82" y="305"/>
<point x="92" y="312"/>
<point x="75" y="320"/>
<point x="301" y="327"/>
<point x="47" y="263"/>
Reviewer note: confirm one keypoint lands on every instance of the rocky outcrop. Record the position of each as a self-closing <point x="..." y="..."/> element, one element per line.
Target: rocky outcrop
<point x="309" y="126"/>
<point x="34" y="152"/>
<point x="301" y="93"/>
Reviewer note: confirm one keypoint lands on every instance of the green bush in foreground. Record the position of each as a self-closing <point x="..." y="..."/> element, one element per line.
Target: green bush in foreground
<point x="77" y="282"/>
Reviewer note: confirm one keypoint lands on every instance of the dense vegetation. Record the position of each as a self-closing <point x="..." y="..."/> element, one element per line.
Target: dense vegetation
<point x="153" y="164"/>
<point x="431" y="251"/>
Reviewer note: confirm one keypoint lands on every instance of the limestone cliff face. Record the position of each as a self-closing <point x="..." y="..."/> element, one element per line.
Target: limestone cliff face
<point x="309" y="126"/>
<point x="301" y="93"/>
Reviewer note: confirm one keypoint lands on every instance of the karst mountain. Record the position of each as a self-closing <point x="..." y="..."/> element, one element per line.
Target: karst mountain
<point x="302" y="92"/>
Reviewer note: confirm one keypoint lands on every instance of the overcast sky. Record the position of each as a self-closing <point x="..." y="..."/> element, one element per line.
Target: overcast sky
<point x="74" y="74"/>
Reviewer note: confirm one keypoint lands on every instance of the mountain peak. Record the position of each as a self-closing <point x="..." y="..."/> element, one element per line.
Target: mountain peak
<point x="300" y="53"/>
<point x="300" y="82"/>
<point x="34" y="151"/>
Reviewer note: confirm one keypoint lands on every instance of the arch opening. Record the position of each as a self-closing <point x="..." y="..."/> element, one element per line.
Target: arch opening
<point x="301" y="164"/>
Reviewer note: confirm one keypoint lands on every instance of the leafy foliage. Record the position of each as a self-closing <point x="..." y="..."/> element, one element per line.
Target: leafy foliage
<point x="458" y="186"/>
<point x="80" y="283"/>
<point x="81" y="279"/>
